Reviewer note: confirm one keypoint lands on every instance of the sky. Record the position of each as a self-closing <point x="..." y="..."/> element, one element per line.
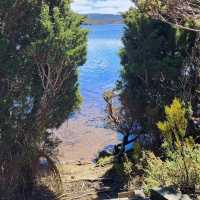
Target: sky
<point x="101" y="6"/>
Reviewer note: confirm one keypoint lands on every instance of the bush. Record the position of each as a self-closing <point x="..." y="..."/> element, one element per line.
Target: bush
<point x="172" y="171"/>
<point x="125" y="170"/>
<point x="103" y="161"/>
<point x="174" y="127"/>
<point x="181" y="167"/>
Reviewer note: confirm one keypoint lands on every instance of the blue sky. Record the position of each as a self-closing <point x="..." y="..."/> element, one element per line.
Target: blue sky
<point x="101" y="6"/>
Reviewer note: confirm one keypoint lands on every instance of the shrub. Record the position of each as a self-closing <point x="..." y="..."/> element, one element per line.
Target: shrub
<point x="181" y="168"/>
<point x="171" y="172"/>
<point x="103" y="161"/>
<point x="174" y="127"/>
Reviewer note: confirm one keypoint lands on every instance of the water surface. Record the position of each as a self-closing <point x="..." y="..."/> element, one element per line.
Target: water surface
<point x="84" y="134"/>
<point x="101" y="71"/>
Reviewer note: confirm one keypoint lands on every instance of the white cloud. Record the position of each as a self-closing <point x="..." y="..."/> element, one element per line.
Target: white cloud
<point x="101" y="6"/>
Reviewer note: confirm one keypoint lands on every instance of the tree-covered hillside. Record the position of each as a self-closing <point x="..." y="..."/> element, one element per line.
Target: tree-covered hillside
<point x="103" y="19"/>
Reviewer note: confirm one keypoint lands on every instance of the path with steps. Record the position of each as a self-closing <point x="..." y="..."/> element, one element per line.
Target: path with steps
<point x="88" y="182"/>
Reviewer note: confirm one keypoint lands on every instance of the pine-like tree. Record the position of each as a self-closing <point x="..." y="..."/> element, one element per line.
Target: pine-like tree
<point x="154" y="62"/>
<point x="41" y="46"/>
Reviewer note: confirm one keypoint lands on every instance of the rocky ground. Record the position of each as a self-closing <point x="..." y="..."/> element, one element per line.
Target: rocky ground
<point x="85" y="181"/>
<point x="89" y="182"/>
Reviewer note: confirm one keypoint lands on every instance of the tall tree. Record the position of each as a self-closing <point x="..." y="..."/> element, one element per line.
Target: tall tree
<point x="153" y="58"/>
<point x="41" y="45"/>
<point x="183" y="15"/>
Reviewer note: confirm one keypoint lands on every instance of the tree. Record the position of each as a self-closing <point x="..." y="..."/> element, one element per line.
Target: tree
<point x="41" y="45"/>
<point x="153" y="73"/>
<point x="121" y="121"/>
<point x="182" y="14"/>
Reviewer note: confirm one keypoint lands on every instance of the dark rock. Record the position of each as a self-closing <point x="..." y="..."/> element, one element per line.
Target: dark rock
<point x="107" y="151"/>
<point x="167" y="194"/>
<point x="139" y="194"/>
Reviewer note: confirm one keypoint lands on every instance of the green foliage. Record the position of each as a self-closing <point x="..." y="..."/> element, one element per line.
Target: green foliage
<point x="156" y="173"/>
<point x="67" y="40"/>
<point x="125" y="170"/>
<point x="130" y="169"/>
<point x="171" y="172"/>
<point x="170" y="12"/>
<point x="160" y="62"/>
<point x="181" y="168"/>
<point x="41" y="46"/>
<point x="176" y="123"/>
<point x="103" y="161"/>
<point x="153" y="63"/>
<point x="137" y="152"/>
<point x="149" y="44"/>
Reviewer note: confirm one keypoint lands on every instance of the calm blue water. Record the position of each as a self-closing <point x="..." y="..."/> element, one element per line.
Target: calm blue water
<point x="102" y="69"/>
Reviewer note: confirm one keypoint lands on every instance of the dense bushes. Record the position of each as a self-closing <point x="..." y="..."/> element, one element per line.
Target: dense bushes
<point x="154" y="68"/>
<point x="160" y="62"/>
<point x="176" y="171"/>
<point x="180" y="163"/>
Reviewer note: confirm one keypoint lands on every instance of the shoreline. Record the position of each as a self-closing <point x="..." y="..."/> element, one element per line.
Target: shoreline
<point x="82" y="142"/>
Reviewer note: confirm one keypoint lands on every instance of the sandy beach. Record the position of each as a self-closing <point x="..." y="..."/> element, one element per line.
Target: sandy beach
<point x="82" y="141"/>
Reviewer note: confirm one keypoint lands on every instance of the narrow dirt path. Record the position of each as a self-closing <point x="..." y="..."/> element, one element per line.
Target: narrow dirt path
<point x="89" y="182"/>
<point x="86" y="181"/>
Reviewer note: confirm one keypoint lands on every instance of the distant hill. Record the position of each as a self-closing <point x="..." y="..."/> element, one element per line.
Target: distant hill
<point x="103" y="19"/>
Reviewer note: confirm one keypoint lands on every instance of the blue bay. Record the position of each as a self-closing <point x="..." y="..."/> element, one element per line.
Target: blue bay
<point x="102" y="69"/>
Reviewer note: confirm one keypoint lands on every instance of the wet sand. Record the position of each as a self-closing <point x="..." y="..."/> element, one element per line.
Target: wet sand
<point x="81" y="141"/>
